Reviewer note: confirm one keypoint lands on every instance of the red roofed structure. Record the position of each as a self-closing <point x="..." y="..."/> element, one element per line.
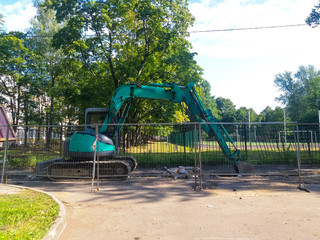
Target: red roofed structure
<point x="4" y="123"/>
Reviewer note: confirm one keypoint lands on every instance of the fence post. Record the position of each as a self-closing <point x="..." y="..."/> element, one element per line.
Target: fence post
<point x="245" y="138"/>
<point x="97" y="157"/>
<point x="61" y="144"/>
<point x="5" y="156"/>
<point x="200" y="162"/>
<point x="195" y="156"/>
<point x="184" y="144"/>
<point x="301" y="184"/>
<point x="298" y="150"/>
<point x="308" y="142"/>
<point x="124" y="138"/>
<point x="94" y="156"/>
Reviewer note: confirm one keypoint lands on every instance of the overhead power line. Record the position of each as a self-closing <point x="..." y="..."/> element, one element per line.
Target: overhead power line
<point x="248" y="28"/>
<point x="219" y="30"/>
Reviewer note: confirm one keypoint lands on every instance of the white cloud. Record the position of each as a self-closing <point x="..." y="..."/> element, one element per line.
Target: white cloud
<point x="18" y="15"/>
<point x="241" y="65"/>
<point x="239" y="14"/>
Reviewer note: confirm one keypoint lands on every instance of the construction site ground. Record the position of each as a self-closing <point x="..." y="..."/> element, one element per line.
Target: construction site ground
<point x="231" y="207"/>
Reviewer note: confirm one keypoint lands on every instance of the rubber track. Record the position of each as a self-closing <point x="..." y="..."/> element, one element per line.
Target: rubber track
<point x="84" y="168"/>
<point x="131" y="160"/>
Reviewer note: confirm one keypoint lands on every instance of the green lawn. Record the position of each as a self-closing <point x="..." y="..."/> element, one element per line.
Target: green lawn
<point x="157" y="154"/>
<point x="26" y="215"/>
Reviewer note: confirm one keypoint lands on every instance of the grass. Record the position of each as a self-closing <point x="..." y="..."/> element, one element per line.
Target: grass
<point x="27" y="215"/>
<point x="158" y="154"/>
<point x="28" y="158"/>
<point x="163" y="154"/>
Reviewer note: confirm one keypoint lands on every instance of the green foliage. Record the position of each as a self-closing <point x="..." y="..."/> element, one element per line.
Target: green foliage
<point x="242" y="115"/>
<point x="209" y="102"/>
<point x="300" y="93"/>
<point x="313" y="19"/>
<point x="43" y="27"/>
<point x="270" y="115"/>
<point x="27" y="215"/>
<point x="28" y="157"/>
<point x="23" y="161"/>
<point x="18" y="74"/>
<point x="77" y="52"/>
<point x="226" y="110"/>
<point x="109" y="43"/>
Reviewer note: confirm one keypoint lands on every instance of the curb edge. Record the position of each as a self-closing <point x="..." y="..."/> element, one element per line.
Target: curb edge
<point x="59" y="224"/>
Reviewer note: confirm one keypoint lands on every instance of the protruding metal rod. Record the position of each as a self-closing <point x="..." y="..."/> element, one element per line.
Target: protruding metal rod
<point x="5" y="154"/>
<point x="94" y="157"/>
<point x="200" y="162"/>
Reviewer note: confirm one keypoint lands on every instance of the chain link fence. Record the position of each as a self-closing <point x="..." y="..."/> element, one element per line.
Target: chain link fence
<point x="161" y="150"/>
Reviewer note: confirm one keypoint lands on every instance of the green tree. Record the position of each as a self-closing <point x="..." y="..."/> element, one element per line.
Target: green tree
<point x="313" y="19"/>
<point x="18" y="78"/>
<point x="43" y="26"/>
<point x="242" y="114"/>
<point x="270" y="115"/>
<point x="226" y="110"/>
<point x="208" y="101"/>
<point x="111" y="43"/>
<point x="300" y="93"/>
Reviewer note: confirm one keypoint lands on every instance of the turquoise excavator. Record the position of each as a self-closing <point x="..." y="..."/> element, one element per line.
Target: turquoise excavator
<point x="80" y="151"/>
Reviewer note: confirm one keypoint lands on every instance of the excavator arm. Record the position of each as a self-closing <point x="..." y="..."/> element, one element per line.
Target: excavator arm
<point x="171" y="91"/>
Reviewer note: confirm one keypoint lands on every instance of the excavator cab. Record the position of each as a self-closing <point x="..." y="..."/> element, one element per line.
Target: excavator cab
<point x="95" y="116"/>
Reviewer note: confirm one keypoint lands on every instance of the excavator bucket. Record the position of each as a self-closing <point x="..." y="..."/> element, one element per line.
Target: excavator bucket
<point x="244" y="167"/>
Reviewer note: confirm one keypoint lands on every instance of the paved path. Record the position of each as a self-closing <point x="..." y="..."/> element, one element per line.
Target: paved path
<point x="7" y="189"/>
<point x="231" y="208"/>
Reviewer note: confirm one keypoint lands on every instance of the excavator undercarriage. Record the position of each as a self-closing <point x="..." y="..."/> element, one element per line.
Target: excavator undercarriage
<point x="112" y="167"/>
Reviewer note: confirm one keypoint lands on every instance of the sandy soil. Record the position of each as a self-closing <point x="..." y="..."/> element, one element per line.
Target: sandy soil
<point x="155" y="208"/>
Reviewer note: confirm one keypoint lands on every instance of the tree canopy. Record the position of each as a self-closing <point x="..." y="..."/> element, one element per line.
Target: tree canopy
<point x="300" y="93"/>
<point x="313" y="19"/>
<point x="110" y="43"/>
<point x="82" y="51"/>
<point x="76" y="53"/>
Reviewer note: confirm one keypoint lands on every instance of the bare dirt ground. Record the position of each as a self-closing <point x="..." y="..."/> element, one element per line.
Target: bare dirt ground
<point x="155" y="208"/>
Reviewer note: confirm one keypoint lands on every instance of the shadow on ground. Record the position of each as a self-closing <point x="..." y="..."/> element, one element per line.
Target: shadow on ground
<point x="149" y="189"/>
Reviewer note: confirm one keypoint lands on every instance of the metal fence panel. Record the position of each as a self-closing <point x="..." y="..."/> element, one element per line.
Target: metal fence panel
<point x="308" y="155"/>
<point x="160" y="149"/>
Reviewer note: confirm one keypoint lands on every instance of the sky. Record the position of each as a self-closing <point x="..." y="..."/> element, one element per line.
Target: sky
<point x="239" y="65"/>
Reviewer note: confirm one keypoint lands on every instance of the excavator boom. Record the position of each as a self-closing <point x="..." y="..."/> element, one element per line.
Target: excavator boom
<point x="171" y="91"/>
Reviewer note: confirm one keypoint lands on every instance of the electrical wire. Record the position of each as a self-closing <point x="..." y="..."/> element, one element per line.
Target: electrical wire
<point x="217" y="30"/>
<point x="248" y="28"/>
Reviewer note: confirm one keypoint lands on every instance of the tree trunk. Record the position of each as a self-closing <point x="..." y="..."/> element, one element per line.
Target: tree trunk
<point x="51" y="115"/>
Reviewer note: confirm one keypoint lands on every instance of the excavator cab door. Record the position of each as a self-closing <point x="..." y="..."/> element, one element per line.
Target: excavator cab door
<point x="95" y="116"/>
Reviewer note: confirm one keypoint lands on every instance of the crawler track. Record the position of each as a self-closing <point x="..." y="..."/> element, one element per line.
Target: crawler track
<point x="118" y="167"/>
